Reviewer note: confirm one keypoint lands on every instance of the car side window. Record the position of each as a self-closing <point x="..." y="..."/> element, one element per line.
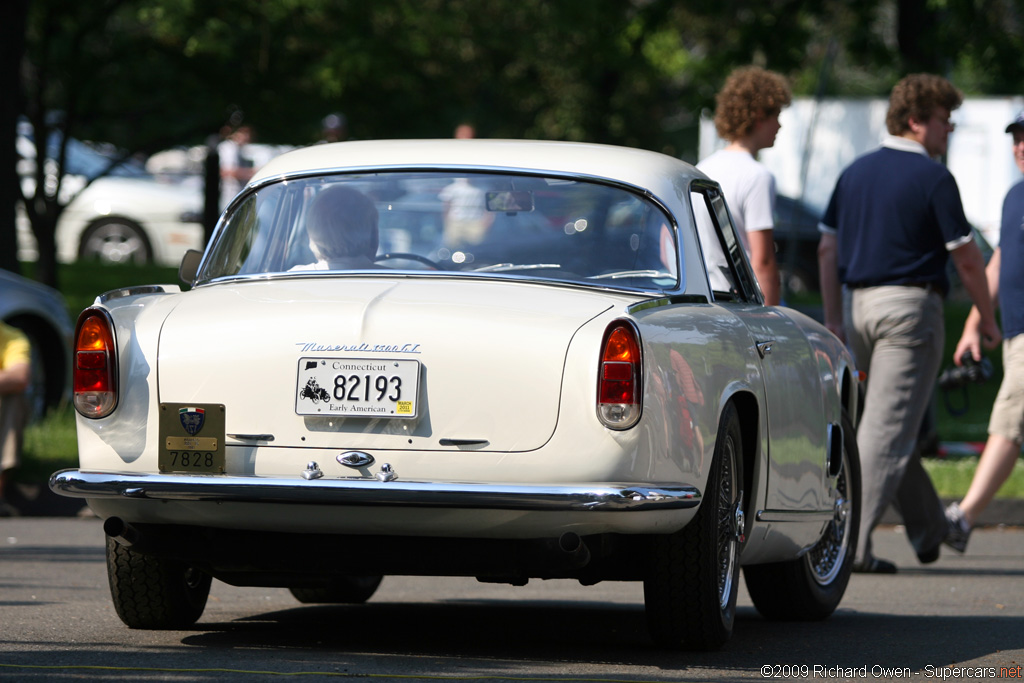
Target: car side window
<point x="726" y="264"/>
<point x="723" y="283"/>
<point x="247" y="250"/>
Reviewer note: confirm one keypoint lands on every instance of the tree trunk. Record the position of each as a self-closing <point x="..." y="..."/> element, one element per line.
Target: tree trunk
<point x="45" y="229"/>
<point x="13" y="14"/>
<point x="211" y="188"/>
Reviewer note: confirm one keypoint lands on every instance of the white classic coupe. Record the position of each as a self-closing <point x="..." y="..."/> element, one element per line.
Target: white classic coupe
<point x="508" y="360"/>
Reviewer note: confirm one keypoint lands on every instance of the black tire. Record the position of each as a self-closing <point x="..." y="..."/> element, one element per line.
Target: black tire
<point x="350" y="590"/>
<point x="114" y="241"/>
<point x="811" y="587"/>
<point x="154" y="593"/>
<point x="690" y="591"/>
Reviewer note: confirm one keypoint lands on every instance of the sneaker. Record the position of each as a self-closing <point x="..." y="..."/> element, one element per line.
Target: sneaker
<point x="959" y="529"/>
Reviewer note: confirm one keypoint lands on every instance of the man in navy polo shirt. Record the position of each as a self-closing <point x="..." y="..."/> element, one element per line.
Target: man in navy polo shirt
<point x="1006" y="425"/>
<point x="894" y="220"/>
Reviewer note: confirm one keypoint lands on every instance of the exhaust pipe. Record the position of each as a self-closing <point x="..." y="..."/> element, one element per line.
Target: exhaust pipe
<point x="122" y="532"/>
<point x="575" y="549"/>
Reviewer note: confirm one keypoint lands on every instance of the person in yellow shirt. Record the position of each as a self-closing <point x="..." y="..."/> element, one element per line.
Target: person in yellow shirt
<point x="15" y="373"/>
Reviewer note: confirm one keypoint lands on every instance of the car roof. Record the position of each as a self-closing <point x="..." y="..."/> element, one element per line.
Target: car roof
<point x="658" y="173"/>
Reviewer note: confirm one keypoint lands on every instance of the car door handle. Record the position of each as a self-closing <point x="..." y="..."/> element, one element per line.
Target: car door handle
<point x="764" y="348"/>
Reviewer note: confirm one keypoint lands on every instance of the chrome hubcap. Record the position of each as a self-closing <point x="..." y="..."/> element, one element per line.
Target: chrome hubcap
<point x="826" y="558"/>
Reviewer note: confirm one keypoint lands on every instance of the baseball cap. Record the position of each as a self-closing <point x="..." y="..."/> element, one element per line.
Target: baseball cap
<point x="1016" y="123"/>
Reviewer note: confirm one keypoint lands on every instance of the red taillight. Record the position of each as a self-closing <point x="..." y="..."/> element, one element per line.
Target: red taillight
<point x="95" y="367"/>
<point x="618" y="391"/>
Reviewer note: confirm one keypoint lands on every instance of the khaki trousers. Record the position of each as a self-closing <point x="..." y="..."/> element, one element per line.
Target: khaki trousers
<point x="896" y="335"/>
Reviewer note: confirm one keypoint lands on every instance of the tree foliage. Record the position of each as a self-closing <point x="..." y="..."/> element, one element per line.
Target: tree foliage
<point x="149" y="74"/>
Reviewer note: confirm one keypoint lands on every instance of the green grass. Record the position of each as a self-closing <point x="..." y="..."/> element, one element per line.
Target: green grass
<point x="952" y="476"/>
<point x="50" y="445"/>
<point x="978" y="399"/>
<point x="81" y="283"/>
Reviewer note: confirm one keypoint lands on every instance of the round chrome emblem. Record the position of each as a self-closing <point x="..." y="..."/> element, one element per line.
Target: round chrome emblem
<point x="355" y="459"/>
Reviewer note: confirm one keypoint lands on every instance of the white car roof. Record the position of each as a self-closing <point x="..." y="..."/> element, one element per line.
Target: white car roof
<point x="658" y="173"/>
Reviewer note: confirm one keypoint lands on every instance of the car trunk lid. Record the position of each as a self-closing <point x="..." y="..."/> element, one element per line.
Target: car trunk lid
<point x="490" y="357"/>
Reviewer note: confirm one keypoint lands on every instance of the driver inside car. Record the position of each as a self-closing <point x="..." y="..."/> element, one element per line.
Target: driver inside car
<point x="342" y="228"/>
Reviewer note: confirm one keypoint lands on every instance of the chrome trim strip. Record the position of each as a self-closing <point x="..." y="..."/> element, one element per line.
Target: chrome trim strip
<point x="668" y="301"/>
<point x="370" y="492"/>
<point x="430" y="274"/>
<point x="795" y="515"/>
<point x="130" y="291"/>
<point x="252" y="437"/>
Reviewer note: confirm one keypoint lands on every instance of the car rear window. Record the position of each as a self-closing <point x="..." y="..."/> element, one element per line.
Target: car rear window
<point x="441" y="222"/>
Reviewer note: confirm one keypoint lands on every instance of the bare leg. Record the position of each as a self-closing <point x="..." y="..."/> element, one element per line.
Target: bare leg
<point x="994" y="468"/>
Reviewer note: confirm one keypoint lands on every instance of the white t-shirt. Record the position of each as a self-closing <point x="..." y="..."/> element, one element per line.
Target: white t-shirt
<point x="749" y="189"/>
<point x="466" y="202"/>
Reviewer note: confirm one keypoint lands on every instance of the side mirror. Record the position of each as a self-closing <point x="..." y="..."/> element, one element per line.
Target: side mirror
<point x="189" y="267"/>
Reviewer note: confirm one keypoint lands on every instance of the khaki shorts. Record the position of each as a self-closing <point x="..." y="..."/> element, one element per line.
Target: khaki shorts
<point x="1008" y="410"/>
<point x="12" y="425"/>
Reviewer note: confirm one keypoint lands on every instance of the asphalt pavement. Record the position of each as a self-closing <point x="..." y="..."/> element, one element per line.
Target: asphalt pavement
<point x="960" y="618"/>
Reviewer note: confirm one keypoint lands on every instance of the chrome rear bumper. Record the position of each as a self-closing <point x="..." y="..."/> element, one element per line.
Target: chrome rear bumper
<point x="371" y="492"/>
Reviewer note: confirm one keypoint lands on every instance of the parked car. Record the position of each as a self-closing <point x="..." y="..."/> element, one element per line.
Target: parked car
<point x="546" y="381"/>
<point x="125" y="216"/>
<point x="796" y="245"/>
<point x="41" y="314"/>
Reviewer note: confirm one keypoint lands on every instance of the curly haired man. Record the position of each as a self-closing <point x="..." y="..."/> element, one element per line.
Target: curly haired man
<point x="747" y="116"/>
<point x="894" y="221"/>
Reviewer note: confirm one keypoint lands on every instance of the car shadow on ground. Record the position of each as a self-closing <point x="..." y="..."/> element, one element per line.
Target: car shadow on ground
<point x="612" y="635"/>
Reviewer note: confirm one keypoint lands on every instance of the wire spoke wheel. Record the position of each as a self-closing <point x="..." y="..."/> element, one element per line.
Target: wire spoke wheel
<point x="811" y="587"/>
<point x="826" y="558"/>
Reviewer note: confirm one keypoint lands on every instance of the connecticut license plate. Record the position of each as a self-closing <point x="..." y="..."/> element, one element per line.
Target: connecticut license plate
<point x="357" y="387"/>
<point x="191" y="437"/>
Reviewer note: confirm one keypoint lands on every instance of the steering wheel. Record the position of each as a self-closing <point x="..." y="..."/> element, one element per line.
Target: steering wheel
<point x="408" y="257"/>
